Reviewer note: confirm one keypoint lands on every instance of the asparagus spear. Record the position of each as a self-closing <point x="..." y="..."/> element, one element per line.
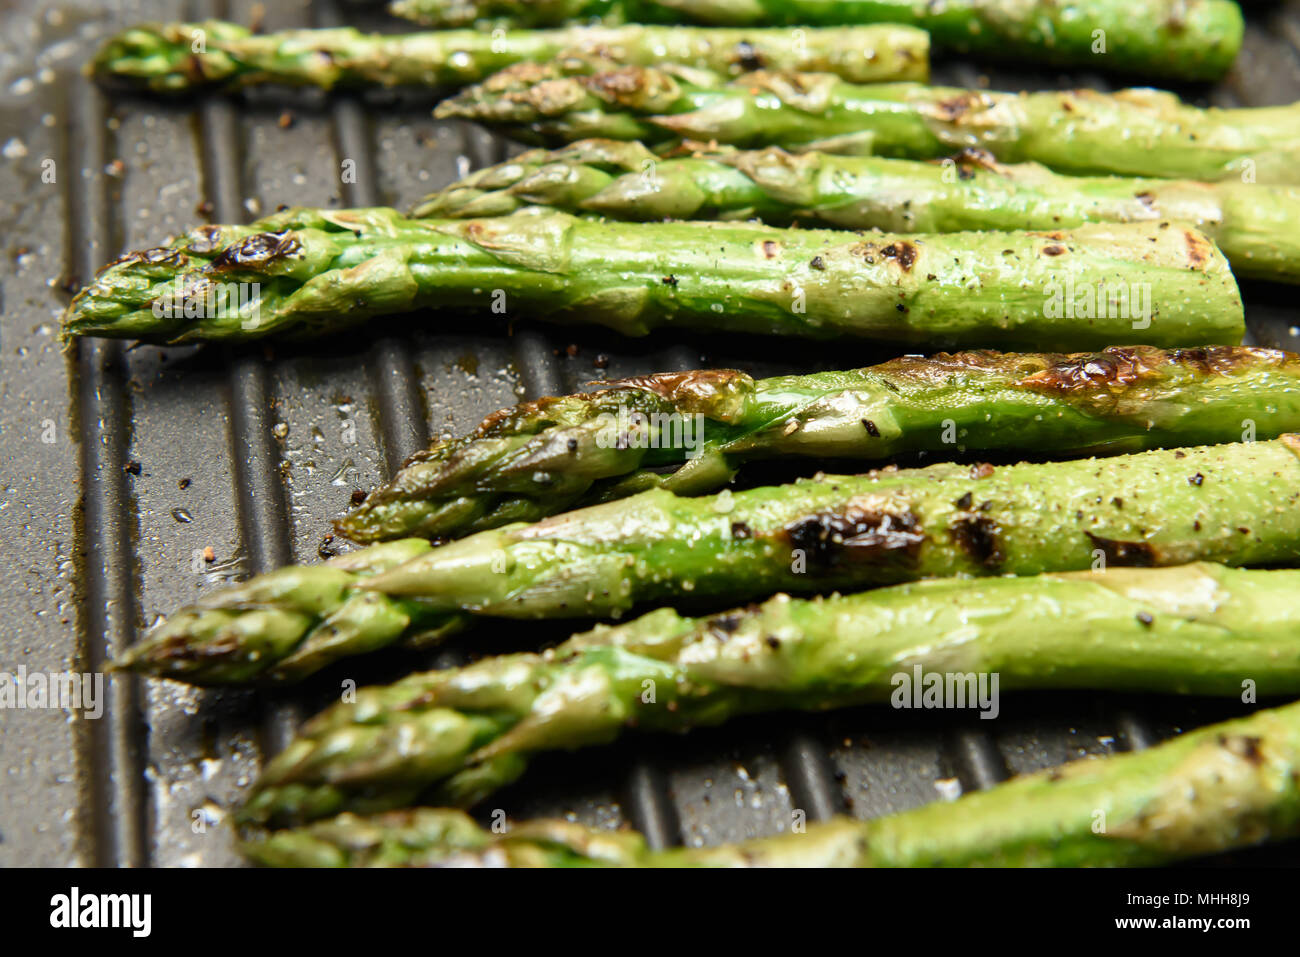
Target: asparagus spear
<point x="305" y="272"/>
<point x="180" y="57"/>
<point x="1234" y="504"/>
<point x="457" y="735"/>
<point x="1254" y="225"/>
<point x="1130" y="133"/>
<point x="1188" y="39"/>
<point x="1228" y="785"/>
<point x="286" y="624"/>
<point x="543" y="457"/>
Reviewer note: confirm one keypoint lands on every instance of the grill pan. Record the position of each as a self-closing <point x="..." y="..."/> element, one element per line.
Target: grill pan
<point x="119" y="466"/>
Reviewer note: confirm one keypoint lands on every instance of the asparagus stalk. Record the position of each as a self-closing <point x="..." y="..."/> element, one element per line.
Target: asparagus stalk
<point x="1233" y="504"/>
<point x="457" y="735"/>
<point x="1225" y="786"/>
<point x="181" y="57"/>
<point x="543" y="457"/>
<point x="1130" y="133"/>
<point x="1254" y="225"/>
<point x="286" y="624"/>
<point x="1187" y="39"/>
<point x="305" y="272"/>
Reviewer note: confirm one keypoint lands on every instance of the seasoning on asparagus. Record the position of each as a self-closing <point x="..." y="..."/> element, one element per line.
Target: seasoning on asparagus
<point x="1230" y="785"/>
<point x="181" y="57"/>
<point x="286" y="624"/>
<point x="1186" y="39"/>
<point x="1254" y="225"/>
<point x="556" y="453"/>
<point x="456" y="735"/>
<point x="1137" y="132"/>
<point x="1236" y="504"/>
<point x="309" y="272"/>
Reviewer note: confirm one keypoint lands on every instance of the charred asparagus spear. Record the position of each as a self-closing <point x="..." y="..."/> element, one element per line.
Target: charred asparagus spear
<point x="1229" y="785"/>
<point x="457" y="735"/>
<point x="1188" y="39"/>
<point x="543" y="457"/>
<point x="1130" y="133"/>
<point x="1254" y="225"/>
<point x="1233" y="503"/>
<point x="307" y="272"/>
<point x="286" y="624"/>
<point x="180" y="57"/>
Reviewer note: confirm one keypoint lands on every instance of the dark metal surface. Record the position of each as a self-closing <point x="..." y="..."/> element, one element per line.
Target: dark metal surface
<point x="251" y="452"/>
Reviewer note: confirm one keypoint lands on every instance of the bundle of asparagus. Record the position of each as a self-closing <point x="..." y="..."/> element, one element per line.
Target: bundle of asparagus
<point x="1254" y="225"/>
<point x="1225" y="786"/>
<point x="314" y="271"/>
<point x="182" y="57"/>
<point x="1014" y="571"/>
<point x="1137" y="132"/>
<point x="1186" y="39"/>
<point x="1150" y="509"/>
<point x="456" y="735"/>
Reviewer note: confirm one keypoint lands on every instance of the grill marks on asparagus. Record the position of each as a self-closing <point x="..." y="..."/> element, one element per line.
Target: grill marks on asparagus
<point x="315" y="271"/>
<point x="1118" y="399"/>
<point x="829" y="533"/>
<point x="1129" y="133"/>
<point x="1250" y="222"/>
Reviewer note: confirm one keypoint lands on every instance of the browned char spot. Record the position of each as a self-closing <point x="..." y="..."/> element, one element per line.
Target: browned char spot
<point x="973" y="156"/>
<point x="747" y="57"/>
<point x="1199" y="249"/>
<point x="1243" y="746"/>
<point x="725" y="625"/>
<point x="979" y="536"/>
<point x="157" y="256"/>
<point x="616" y="83"/>
<point x="902" y="252"/>
<point x="955" y="108"/>
<point x="1120" y="366"/>
<point x="205" y="240"/>
<point x="855" y="533"/>
<point x="259" y="249"/>
<point x="1130" y="554"/>
<point x="693" y="391"/>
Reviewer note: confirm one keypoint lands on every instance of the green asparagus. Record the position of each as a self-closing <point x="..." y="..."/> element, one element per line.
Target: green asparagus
<point x="1229" y="785"/>
<point x="306" y="272"/>
<point x="1130" y="133"/>
<point x="458" y="734"/>
<point x="181" y="57"/>
<point x="286" y="624"/>
<point x="1235" y="504"/>
<point x="1187" y="39"/>
<point x="1255" y="226"/>
<point x="556" y="453"/>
